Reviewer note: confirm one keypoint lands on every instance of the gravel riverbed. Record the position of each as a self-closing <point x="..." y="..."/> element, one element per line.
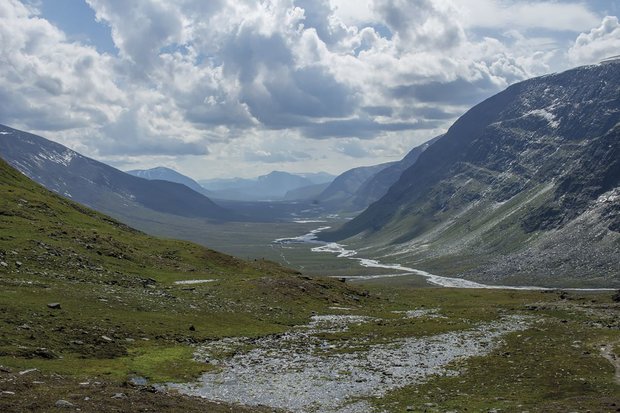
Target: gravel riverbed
<point x="300" y="372"/>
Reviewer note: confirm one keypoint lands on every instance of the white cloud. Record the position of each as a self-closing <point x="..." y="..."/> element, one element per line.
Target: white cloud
<point x="599" y="43"/>
<point x="48" y="82"/>
<point x="550" y="15"/>
<point x="422" y="24"/>
<point x="353" y="12"/>
<point x="249" y="83"/>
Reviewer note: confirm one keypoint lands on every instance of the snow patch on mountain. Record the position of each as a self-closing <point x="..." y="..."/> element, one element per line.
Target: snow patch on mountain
<point x="545" y="114"/>
<point x="63" y="158"/>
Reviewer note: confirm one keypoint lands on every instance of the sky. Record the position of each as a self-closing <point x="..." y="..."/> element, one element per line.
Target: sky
<point x="225" y="88"/>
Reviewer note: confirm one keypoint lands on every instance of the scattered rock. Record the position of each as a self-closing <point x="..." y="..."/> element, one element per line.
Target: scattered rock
<point x="63" y="404"/>
<point x="18" y="263"/>
<point x="138" y="381"/>
<point x="4" y="264"/>
<point x="54" y="306"/>
<point x="45" y="353"/>
<point x="119" y="396"/>
<point x="148" y="282"/>
<point x="5" y="369"/>
<point x="24" y="327"/>
<point x="106" y="338"/>
<point x="21" y="373"/>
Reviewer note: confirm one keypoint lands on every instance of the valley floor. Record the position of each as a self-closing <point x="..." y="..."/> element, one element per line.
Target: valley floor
<point x="374" y="348"/>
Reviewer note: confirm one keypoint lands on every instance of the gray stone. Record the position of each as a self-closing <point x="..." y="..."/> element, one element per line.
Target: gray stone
<point x="63" y="404"/>
<point x="54" y="306"/>
<point x="138" y="381"/>
<point x="45" y="353"/>
<point x="119" y="396"/>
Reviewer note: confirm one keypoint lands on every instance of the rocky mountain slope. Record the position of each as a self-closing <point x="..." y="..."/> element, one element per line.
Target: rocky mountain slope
<point x="340" y="194"/>
<point x="523" y="188"/>
<point x="355" y="189"/>
<point x="98" y="185"/>
<point x="166" y="174"/>
<point x="378" y="184"/>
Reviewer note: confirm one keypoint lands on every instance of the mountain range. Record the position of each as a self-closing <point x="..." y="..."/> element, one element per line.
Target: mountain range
<point x="355" y="189"/>
<point x="523" y="188"/>
<point x="273" y="186"/>
<point x="340" y="193"/>
<point x="98" y="185"/>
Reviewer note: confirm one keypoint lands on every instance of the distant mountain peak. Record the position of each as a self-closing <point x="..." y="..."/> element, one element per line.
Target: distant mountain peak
<point x="269" y="187"/>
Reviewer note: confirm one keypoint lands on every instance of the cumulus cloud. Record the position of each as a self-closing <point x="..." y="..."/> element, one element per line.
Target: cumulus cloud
<point x="599" y="43"/>
<point x="279" y="80"/>
<point x="48" y="82"/>
<point x="423" y="24"/>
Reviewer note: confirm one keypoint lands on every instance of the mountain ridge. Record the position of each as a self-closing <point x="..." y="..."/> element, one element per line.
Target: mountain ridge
<point x="272" y="186"/>
<point x="98" y="185"/>
<point x="377" y="185"/>
<point x="516" y="170"/>
<point x="168" y="174"/>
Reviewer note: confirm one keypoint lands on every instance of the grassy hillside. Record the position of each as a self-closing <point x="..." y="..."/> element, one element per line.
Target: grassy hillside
<point x="121" y="313"/>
